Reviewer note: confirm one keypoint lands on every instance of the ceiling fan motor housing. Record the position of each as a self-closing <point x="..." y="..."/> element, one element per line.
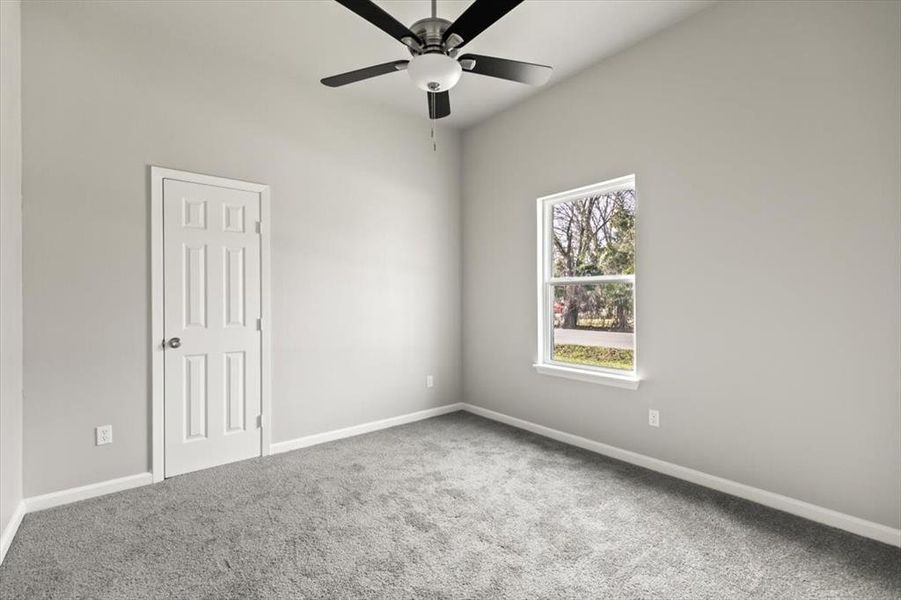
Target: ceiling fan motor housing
<point x="433" y="69"/>
<point x="431" y="32"/>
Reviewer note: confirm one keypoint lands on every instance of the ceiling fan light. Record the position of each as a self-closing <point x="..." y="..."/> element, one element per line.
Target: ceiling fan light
<point x="434" y="72"/>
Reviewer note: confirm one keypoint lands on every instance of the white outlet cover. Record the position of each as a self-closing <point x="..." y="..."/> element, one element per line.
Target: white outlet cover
<point x="429" y="381"/>
<point x="654" y="418"/>
<point x="104" y="435"/>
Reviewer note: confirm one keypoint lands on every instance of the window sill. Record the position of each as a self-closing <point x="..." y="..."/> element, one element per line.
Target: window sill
<point x="629" y="382"/>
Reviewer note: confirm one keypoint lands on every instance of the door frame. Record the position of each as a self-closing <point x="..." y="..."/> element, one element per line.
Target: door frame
<point x="157" y="308"/>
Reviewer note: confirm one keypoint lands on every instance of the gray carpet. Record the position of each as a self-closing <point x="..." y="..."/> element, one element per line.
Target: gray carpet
<point x="452" y="507"/>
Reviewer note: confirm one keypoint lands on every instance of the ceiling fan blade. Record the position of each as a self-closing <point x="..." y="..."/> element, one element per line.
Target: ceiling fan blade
<point x="439" y="105"/>
<point x="503" y="68"/>
<point x="366" y="73"/>
<point x="480" y="15"/>
<point x="378" y="17"/>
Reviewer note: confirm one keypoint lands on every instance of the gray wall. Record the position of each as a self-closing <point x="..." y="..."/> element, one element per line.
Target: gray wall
<point x="765" y="140"/>
<point x="365" y="237"/>
<point x="10" y="262"/>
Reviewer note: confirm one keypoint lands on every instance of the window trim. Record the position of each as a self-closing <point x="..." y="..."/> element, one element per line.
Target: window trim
<point x="546" y="282"/>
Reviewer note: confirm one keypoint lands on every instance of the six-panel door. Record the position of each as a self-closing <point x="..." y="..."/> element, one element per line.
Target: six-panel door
<point x="212" y="307"/>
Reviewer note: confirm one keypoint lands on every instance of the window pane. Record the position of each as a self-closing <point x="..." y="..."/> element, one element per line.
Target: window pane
<point x="595" y="235"/>
<point x="594" y="325"/>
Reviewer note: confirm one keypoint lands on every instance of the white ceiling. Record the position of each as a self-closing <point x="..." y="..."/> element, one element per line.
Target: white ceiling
<point x="311" y="39"/>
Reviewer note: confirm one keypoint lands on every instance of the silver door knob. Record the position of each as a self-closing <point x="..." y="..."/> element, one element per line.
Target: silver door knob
<point x="175" y="342"/>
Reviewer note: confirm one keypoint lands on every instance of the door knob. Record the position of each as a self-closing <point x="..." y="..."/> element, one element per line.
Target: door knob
<point x="175" y="342"/>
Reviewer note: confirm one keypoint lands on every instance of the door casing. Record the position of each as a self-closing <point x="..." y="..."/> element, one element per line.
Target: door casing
<point x="157" y="307"/>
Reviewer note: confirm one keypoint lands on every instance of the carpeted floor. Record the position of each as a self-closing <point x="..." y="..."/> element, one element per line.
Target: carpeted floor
<point x="452" y="507"/>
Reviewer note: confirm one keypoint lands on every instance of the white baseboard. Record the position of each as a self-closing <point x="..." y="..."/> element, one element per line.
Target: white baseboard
<point x="36" y="503"/>
<point x="800" y="508"/>
<point x="337" y="434"/>
<point x="9" y="532"/>
<point x="84" y="492"/>
<point x="826" y="516"/>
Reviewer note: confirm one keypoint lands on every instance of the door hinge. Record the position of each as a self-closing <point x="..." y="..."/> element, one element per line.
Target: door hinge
<point x="259" y="227"/>
<point x="260" y="324"/>
<point x="259" y="421"/>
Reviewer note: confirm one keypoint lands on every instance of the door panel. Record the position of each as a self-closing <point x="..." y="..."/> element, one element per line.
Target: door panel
<point x="234" y="287"/>
<point x="196" y="398"/>
<point x="212" y="305"/>
<point x="195" y="303"/>
<point x="235" y="392"/>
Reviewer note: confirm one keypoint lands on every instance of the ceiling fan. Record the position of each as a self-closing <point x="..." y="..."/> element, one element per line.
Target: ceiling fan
<point x="435" y="43"/>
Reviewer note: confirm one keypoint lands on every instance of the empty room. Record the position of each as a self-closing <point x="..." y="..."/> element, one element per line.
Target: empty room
<point x="463" y="299"/>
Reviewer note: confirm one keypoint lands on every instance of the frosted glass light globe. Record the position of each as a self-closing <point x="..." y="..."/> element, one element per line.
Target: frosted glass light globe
<point x="434" y="72"/>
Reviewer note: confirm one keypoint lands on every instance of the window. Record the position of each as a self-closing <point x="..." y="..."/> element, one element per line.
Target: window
<point x="586" y="287"/>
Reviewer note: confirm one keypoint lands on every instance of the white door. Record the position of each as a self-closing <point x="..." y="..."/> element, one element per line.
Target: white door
<point x="212" y="343"/>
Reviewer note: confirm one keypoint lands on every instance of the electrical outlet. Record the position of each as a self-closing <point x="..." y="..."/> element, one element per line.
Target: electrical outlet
<point x="653" y="417"/>
<point x="429" y="381"/>
<point x="104" y="435"/>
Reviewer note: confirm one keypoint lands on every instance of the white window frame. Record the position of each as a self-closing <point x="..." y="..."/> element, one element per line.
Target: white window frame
<point x="546" y="282"/>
